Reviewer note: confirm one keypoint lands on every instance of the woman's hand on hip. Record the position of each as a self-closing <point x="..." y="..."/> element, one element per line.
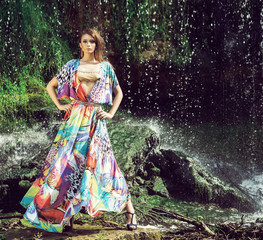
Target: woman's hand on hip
<point x="65" y="107"/>
<point x="103" y="115"/>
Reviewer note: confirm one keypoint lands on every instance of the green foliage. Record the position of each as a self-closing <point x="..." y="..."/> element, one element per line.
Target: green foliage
<point x="19" y="99"/>
<point x="33" y="50"/>
<point x="101" y="236"/>
<point x="29" y="38"/>
<point x="38" y="37"/>
<point x="137" y="24"/>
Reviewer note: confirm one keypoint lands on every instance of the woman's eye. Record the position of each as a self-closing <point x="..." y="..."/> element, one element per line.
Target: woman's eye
<point x="91" y="41"/>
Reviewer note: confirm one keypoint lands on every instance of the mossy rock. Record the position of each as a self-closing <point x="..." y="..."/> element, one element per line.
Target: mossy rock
<point x="25" y="184"/>
<point x="186" y="180"/>
<point x="159" y="187"/>
<point x="127" y="141"/>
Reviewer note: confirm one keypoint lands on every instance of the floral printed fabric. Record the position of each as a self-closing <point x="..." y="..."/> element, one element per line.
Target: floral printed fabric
<point x="80" y="170"/>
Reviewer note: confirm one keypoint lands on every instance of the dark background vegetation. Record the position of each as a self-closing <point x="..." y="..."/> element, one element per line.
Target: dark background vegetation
<point x="193" y="61"/>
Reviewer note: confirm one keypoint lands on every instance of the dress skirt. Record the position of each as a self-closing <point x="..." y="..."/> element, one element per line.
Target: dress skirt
<point x="80" y="172"/>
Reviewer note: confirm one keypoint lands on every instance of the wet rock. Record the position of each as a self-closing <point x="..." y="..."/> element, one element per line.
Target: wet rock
<point x="259" y="220"/>
<point x="130" y="141"/>
<point x="188" y="181"/>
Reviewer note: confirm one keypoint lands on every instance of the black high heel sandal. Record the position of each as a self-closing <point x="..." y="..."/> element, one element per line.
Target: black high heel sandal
<point x="131" y="224"/>
<point x="68" y="228"/>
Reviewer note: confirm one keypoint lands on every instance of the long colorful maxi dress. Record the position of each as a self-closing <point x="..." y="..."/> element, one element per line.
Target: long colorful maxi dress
<point x="80" y="170"/>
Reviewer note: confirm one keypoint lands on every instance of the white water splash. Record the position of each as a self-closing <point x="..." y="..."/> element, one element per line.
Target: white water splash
<point x="22" y="144"/>
<point x="254" y="186"/>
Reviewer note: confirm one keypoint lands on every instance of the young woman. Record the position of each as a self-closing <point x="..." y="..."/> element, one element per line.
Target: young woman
<point x="80" y="171"/>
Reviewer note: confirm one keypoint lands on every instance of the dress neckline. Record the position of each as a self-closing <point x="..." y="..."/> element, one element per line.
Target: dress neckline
<point x="79" y="82"/>
<point x="77" y="67"/>
<point x="85" y="62"/>
<point x="78" y="63"/>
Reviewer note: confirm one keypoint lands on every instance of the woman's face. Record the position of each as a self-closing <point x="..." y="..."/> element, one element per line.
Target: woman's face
<point x="87" y="44"/>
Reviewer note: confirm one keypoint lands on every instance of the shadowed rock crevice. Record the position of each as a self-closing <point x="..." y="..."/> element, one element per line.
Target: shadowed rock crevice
<point x="186" y="180"/>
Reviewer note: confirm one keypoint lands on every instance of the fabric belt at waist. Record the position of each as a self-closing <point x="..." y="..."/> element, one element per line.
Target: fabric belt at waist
<point x="86" y="103"/>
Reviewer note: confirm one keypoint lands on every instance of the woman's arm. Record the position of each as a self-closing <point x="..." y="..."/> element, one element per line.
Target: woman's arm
<point x="52" y="93"/>
<point x="115" y="105"/>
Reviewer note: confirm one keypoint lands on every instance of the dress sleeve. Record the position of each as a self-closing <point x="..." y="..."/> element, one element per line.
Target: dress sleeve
<point x="113" y="78"/>
<point x="64" y="78"/>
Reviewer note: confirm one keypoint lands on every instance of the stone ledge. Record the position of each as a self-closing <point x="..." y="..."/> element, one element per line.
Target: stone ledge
<point x="85" y="232"/>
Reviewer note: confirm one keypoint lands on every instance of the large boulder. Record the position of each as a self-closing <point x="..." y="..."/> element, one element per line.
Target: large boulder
<point x="185" y="179"/>
<point x="171" y="173"/>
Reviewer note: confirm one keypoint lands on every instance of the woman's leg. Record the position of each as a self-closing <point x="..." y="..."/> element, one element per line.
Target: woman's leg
<point x="69" y="226"/>
<point x="130" y="209"/>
